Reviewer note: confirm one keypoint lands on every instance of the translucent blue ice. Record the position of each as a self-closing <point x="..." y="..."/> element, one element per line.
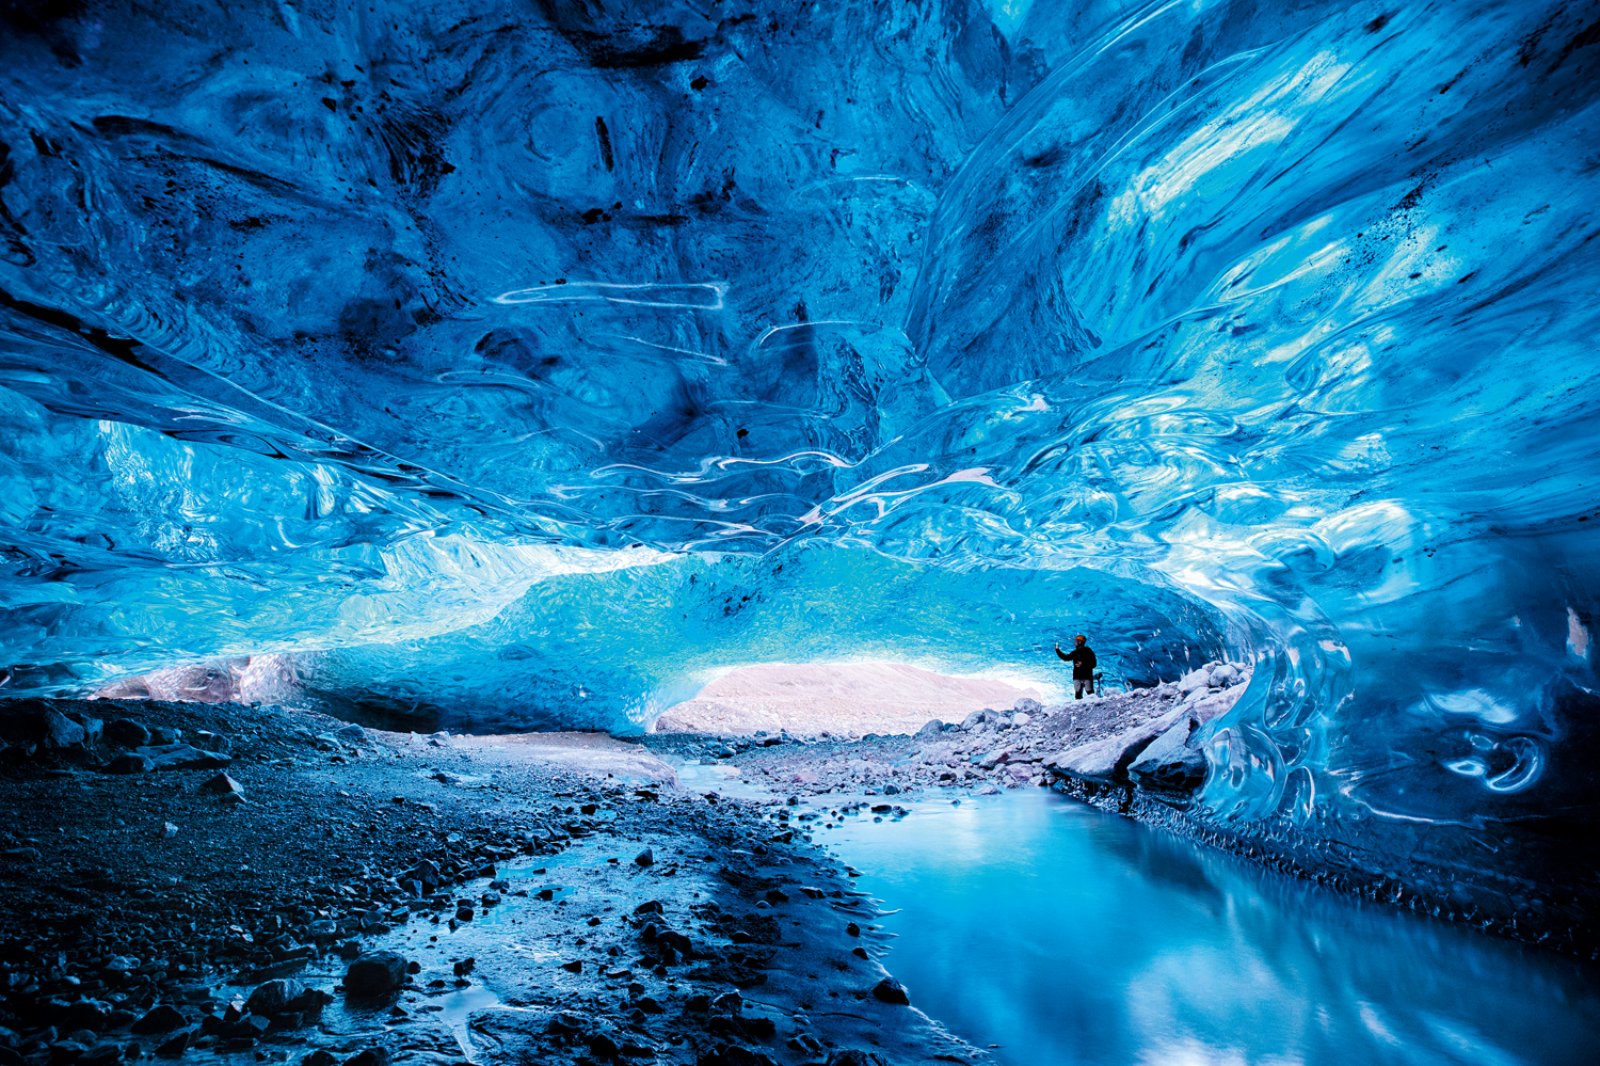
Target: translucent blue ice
<point x="470" y="354"/>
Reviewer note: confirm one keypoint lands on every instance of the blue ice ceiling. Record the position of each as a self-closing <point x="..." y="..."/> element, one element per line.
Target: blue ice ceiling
<point x="479" y="355"/>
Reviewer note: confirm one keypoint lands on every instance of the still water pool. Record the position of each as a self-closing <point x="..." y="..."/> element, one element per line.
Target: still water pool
<point x="1065" y="935"/>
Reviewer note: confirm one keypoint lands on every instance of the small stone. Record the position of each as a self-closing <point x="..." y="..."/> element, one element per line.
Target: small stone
<point x="213" y="742"/>
<point x="371" y="1056"/>
<point x="222" y="785"/>
<point x="647" y="857"/>
<point x="889" y="990"/>
<point x="574" y="966"/>
<point x="168" y="830"/>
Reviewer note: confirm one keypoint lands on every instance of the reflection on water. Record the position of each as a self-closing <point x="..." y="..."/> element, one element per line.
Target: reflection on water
<point x="1066" y="935"/>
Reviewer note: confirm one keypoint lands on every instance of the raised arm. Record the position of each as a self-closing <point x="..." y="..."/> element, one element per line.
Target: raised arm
<point x="1064" y="656"/>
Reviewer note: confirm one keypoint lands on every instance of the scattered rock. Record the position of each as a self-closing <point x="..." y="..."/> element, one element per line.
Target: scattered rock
<point x="212" y="742"/>
<point x="889" y="990"/>
<point x="995" y="758"/>
<point x="1170" y="763"/>
<point x="285" y="996"/>
<point x="222" y="785"/>
<point x="127" y="733"/>
<point x="130" y="762"/>
<point x="647" y="857"/>
<point x="378" y="973"/>
<point x="36" y="724"/>
<point x="183" y="757"/>
<point x="1107" y="759"/>
<point x="1198" y="678"/>
<point x="978" y="719"/>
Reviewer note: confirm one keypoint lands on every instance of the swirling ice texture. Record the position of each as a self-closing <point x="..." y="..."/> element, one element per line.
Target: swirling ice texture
<point x="380" y="335"/>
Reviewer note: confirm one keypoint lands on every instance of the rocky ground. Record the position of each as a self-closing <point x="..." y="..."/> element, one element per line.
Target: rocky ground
<point x="1138" y="739"/>
<point x="220" y="883"/>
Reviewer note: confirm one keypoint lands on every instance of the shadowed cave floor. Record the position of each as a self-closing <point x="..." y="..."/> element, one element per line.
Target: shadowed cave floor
<point x="123" y="892"/>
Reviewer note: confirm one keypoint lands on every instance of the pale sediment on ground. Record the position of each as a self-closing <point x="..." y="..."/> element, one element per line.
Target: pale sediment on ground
<point x="847" y="699"/>
<point x="590" y="754"/>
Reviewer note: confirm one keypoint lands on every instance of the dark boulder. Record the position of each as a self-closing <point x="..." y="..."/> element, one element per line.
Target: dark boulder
<point x="889" y="990"/>
<point x="285" y="996"/>
<point x="39" y="725"/>
<point x="130" y="762"/>
<point x="127" y="733"/>
<point x="378" y="973"/>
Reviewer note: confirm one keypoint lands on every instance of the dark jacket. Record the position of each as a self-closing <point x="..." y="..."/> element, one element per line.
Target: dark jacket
<point x="1082" y="660"/>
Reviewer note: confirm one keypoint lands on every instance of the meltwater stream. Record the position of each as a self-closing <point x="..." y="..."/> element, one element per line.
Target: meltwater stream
<point x="1066" y="935"/>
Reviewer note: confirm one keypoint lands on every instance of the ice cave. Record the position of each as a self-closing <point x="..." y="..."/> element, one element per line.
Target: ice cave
<point x="545" y="531"/>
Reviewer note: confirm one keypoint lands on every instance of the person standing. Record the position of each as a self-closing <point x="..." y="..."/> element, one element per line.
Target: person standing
<point x="1083" y="663"/>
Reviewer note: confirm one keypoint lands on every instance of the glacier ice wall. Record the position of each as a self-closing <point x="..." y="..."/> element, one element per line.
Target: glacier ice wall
<point x="438" y="347"/>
